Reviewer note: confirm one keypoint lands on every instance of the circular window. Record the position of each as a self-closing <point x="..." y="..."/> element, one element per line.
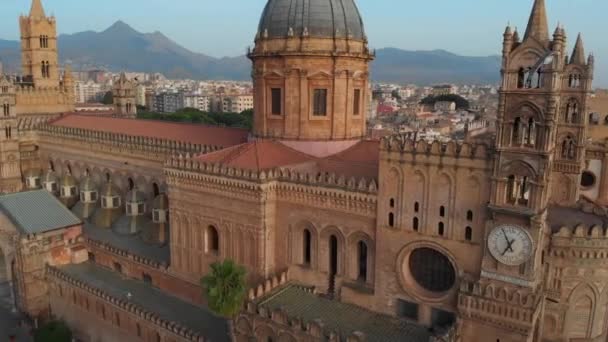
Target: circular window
<point x="587" y="179"/>
<point x="432" y="270"/>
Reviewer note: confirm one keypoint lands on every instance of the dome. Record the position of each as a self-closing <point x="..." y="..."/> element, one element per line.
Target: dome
<point x="313" y="18"/>
<point x="161" y="202"/>
<point x="32" y="173"/>
<point x="49" y="176"/>
<point x="109" y="190"/>
<point x="135" y="196"/>
<point x="68" y="180"/>
<point x="87" y="184"/>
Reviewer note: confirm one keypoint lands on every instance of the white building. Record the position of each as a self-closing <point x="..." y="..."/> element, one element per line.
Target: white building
<point x="200" y="102"/>
<point x="88" y="92"/>
<point x="237" y="103"/>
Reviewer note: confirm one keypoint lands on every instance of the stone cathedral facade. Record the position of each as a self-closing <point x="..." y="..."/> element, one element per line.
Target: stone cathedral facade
<point x="344" y="238"/>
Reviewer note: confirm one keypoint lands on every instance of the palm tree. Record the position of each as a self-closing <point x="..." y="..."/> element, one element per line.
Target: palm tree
<point x="225" y="288"/>
<point x="54" y="331"/>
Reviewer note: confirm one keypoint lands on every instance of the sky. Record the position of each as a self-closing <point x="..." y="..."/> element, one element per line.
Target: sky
<point x="226" y="27"/>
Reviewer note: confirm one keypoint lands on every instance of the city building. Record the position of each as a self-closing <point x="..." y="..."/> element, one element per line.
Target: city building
<point x="200" y="102"/>
<point x="444" y="89"/>
<point x="344" y="238"/>
<point x="237" y="103"/>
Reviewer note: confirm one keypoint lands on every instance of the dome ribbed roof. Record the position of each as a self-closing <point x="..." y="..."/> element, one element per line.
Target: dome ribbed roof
<point x="316" y="18"/>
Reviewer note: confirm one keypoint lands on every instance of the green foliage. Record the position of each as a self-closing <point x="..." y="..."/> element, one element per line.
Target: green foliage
<point x="225" y="288"/>
<point x="108" y="98"/>
<point x="192" y="115"/>
<point x="54" y="331"/>
<point x="461" y="102"/>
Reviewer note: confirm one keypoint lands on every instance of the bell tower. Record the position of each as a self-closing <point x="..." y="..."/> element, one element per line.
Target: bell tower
<point x="124" y="95"/>
<point x="39" y="57"/>
<point x="10" y="170"/>
<point x="539" y="141"/>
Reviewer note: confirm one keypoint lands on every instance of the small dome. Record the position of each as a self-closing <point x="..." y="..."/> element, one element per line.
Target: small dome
<point x="87" y="184"/>
<point x="32" y="173"/>
<point x="135" y="196"/>
<point x="68" y="180"/>
<point x="109" y="190"/>
<point x="313" y="18"/>
<point x="49" y="176"/>
<point x="161" y="202"/>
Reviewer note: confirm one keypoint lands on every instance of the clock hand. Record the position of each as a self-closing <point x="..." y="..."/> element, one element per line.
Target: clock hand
<point x="509" y="243"/>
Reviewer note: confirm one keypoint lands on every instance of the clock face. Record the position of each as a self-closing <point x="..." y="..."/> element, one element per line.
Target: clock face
<point x="510" y="245"/>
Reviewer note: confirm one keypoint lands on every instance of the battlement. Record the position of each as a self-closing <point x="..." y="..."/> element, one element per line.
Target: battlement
<point x="509" y="307"/>
<point x="155" y="146"/>
<point x="57" y="276"/>
<point x="408" y="143"/>
<point x="190" y="164"/>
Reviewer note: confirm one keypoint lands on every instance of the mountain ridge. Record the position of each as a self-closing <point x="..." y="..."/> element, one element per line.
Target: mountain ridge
<point x="121" y="47"/>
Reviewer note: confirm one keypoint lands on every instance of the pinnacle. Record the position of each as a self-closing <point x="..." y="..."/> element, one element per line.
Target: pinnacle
<point x="538" y="27"/>
<point x="37" y="11"/>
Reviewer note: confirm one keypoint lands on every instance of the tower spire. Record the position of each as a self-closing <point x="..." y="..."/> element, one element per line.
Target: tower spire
<point x="578" y="54"/>
<point x="37" y="11"/>
<point x="538" y="27"/>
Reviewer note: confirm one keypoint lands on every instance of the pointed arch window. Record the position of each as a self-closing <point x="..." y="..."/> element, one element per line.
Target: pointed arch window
<point x="516" y="131"/>
<point x="416" y="224"/>
<point x="441" y="229"/>
<point x="521" y="78"/>
<point x="468" y="234"/>
<point x="362" y="259"/>
<point x="391" y="220"/>
<point x="568" y="148"/>
<point x="6" y="109"/>
<point x="470" y="216"/>
<point x="442" y="211"/>
<point x="307" y="247"/>
<point x="530" y="138"/>
<point x="572" y="113"/>
<point x="212" y="240"/>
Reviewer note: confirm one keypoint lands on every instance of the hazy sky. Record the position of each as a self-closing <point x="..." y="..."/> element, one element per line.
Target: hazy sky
<point x="226" y="27"/>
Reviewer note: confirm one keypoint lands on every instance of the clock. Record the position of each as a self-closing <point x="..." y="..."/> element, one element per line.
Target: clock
<point x="510" y="244"/>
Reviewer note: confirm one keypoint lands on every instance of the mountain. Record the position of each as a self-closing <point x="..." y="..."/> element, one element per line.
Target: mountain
<point x="120" y="47"/>
<point x="429" y="67"/>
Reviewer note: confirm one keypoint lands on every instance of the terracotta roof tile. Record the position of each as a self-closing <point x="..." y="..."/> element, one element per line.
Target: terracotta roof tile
<point x="257" y="155"/>
<point x="191" y="133"/>
<point x="361" y="160"/>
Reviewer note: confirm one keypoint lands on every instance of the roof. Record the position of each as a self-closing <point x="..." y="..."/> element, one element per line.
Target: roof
<point x="190" y="133"/>
<point x="257" y="155"/>
<point x="360" y="160"/>
<point x="319" y="18"/>
<point x="571" y="217"/>
<point x="38" y="211"/>
<point x="342" y="318"/>
<point x="197" y="318"/>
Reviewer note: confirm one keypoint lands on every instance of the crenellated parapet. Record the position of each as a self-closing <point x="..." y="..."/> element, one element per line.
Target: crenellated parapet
<point x="266" y="287"/>
<point x="187" y="163"/>
<point x="55" y="275"/>
<point x="122" y="142"/>
<point x="408" y="143"/>
<point x="127" y="255"/>
<point x="580" y="242"/>
<point x="511" y="308"/>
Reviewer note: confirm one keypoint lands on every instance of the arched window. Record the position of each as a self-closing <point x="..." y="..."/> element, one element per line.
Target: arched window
<point x="415" y="224"/>
<point x="525" y="191"/>
<point x="103" y="311"/>
<point x="392" y="202"/>
<point x="391" y="219"/>
<point x="470" y="216"/>
<point x="516" y="130"/>
<point x="571" y="115"/>
<point x="362" y="254"/>
<point x="442" y="211"/>
<point x="212" y="240"/>
<point x="51" y="165"/>
<point x="117" y="267"/>
<point x="521" y="78"/>
<point x="511" y="193"/>
<point x="131" y="183"/>
<point x="138" y="327"/>
<point x="155" y="189"/>
<point x="468" y="234"/>
<point x="568" y="148"/>
<point x="6" y="108"/>
<point x="108" y="177"/>
<point x="158" y="337"/>
<point x="531" y="133"/>
<point x="117" y="319"/>
<point x="416" y="207"/>
<point x="441" y="229"/>
<point x="307" y="247"/>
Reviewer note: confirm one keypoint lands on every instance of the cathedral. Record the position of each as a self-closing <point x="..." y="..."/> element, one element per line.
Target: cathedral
<point x="108" y="223"/>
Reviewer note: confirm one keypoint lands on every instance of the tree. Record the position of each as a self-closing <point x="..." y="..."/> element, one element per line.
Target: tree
<point x="108" y="98"/>
<point x="54" y="331"/>
<point x="225" y="288"/>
